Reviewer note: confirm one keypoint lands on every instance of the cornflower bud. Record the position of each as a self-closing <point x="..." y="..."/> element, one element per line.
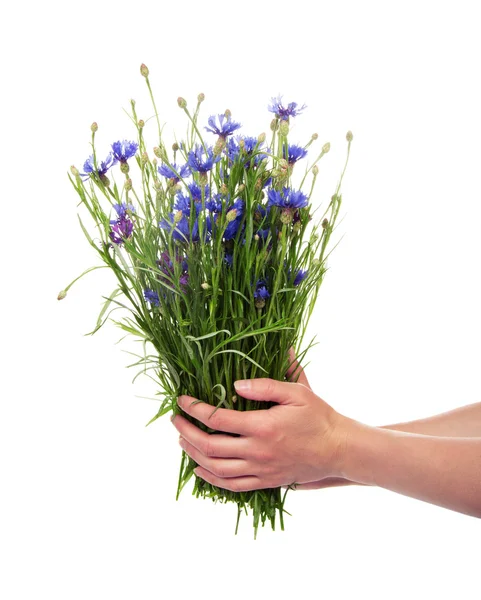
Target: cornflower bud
<point x="326" y="148"/>
<point x="105" y="180"/>
<point x="175" y="146"/>
<point x="203" y="178"/>
<point x="325" y="224"/>
<point x="157" y="185"/>
<point x="205" y="285"/>
<point x="61" y="295"/>
<point x="178" y="216"/>
<point x="128" y="184"/>
<point x="261" y="138"/>
<point x="94" y="127"/>
<point x="144" y="158"/>
<point x="258" y="185"/>
<point x="284" y="128"/>
<point x="274" y="124"/>
<point x="296" y="227"/>
<point x="124" y="168"/>
<point x="231" y="215"/>
<point x="157" y="152"/>
<point x="315" y="170"/>
<point x="181" y="102"/>
<point x="314" y="136"/>
<point x="256" y="237"/>
<point x="200" y="98"/>
<point x="224" y="189"/>
<point x="74" y="171"/>
<point x="260" y="303"/>
<point x="144" y="71"/>
<point x="241" y="188"/>
<point x="141" y="124"/>
<point x="154" y="162"/>
<point x="242" y="144"/>
<point x="227" y="113"/>
<point x="219" y="146"/>
<point x="349" y="136"/>
<point x="286" y="216"/>
<point x="234" y="399"/>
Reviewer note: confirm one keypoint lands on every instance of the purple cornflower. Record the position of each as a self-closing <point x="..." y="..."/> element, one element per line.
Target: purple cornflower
<point x="294" y="153"/>
<point x="261" y="294"/>
<point x="283" y="113"/>
<point x="301" y="275"/>
<point x="174" y="172"/>
<point x="124" y="150"/>
<point x="288" y="198"/>
<point x="197" y="162"/>
<point x="167" y="267"/>
<point x="123" y="209"/>
<point x="102" y="168"/>
<point x="152" y="297"/>
<point x="226" y="126"/>
<point x="122" y="229"/>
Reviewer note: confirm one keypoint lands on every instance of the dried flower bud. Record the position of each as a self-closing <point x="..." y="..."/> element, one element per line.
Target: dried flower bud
<point x="284" y="128"/>
<point x="241" y="188"/>
<point x="349" y="136"/>
<point x="242" y="144"/>
<point x="141" y="124"/>
<point x="154" y="162"/>
<point x="325" y="224"/>
<point x="175" y="146"/>
<point x="296" y="227"/>
<point x="258" y="185"/>
<point x="224" y="189"/>
<point x="227" y="113"/>
<point x="178" y="216"/>
<point x="203" y="178"/>
<point x="157" y="152"/>
<point x="144" y="158"/>
<point x="132" y="103"/>
<point x="219" y="146"/>
<point x="260" y="303"/>
<point x="181" y="102"/>
<point x="124" y="167"/>
<point x="128" y="184"/>
<point x="74" y="171"/>
<point x="231" y="215"/>
<point x="205" y="285"/>
<point x="62" y="295"/>
<point x="105" y="180"/>
<point x="257" y="237"/>
<point x="94" y="127"/>
<point x="315" y="170"/>
<point x="157" y="185"/>
<point x="314" y="136"/>
<point x="200" y="98"/>
<point x="144" y="71"/>
<point x="261" y="138"/>
<point x="326" y="148"/>
<point x="274" y="124"/>
<point x="234" y="399"/>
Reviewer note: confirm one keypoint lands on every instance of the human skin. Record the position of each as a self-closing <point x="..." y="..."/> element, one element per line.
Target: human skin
<point x="304" y="443"/>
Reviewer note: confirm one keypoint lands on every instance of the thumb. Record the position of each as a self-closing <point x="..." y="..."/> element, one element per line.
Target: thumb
<point x="267" y="390"/>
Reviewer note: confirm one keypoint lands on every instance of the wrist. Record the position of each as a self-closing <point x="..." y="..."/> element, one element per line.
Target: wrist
<point x="360" y="444"/>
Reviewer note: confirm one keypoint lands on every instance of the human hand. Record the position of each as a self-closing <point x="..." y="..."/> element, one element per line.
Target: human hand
<point x="300" y="440"/>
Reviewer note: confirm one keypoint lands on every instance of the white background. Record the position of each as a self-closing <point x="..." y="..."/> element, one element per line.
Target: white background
<point x="87" y="500"/>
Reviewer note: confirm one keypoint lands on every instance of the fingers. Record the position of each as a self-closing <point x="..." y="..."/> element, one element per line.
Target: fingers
<point x="235" y="484"/>
<point x="270" y="390"/>
<point x="295" y="372"/>
<point x="211" y="445"/>
<point x="220" y="419"/>
<point x="220" y="467"/>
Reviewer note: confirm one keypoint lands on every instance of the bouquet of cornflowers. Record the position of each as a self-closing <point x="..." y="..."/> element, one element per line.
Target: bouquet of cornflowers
<point x="217" y="260"/>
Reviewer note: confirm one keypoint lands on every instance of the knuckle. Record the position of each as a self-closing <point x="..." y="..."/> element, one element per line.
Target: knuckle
<point x="209" y="447"/>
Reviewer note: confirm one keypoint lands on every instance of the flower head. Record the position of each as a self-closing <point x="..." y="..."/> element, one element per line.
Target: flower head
<point x="102" y="168"/>
<point x="152" y="297"/>
<point x="123" y="209"/>
<point x="179" y="226"/>
<point x="225" y="128"/>
<point x="245" y="147"/>
<point x="122" y="229"/>
<point x="300" y="276"/>
<point x="197" y="162"/>
<point x="283" y="113"/>
<point x="294" y="153"/>
<point x="124" y="150"/>
<point x="261" y="294"/>
<point x="288" y="198"/>
<point x="174" y="172"/>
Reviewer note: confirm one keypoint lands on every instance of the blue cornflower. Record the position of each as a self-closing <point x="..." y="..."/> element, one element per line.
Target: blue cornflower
<point x="226" y="126"/>
<point x="301" y="275"/>
<point x="152" y="297"/>
<point x="234" y="150"/>
<point x="174" y="172"/>
<point x="288" y="198"/>
<point x="214" y="205"/>
<point x="196" y="191"/>
<point x="124" y="150"/>
<point x="294" y="153"/>
<point x="261" y="294"/>
<point x="180" y="227"/>
<point x="197" y="162"/>
<point x="183" y="203"/>
<point x="123" y="209"/>
<point x="122" y="229"/>
<point x="281" y="111"/>
<point x="102" y="168"/>
<point x="229" y="259"/>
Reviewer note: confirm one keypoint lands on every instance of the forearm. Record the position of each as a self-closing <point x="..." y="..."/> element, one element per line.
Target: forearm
<point x="460" y="422"/>
<point x="440" y="470"/>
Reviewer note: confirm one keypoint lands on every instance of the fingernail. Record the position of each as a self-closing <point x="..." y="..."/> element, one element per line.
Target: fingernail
<point x="242" y="385"/>
<point x="180" y="400"/>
